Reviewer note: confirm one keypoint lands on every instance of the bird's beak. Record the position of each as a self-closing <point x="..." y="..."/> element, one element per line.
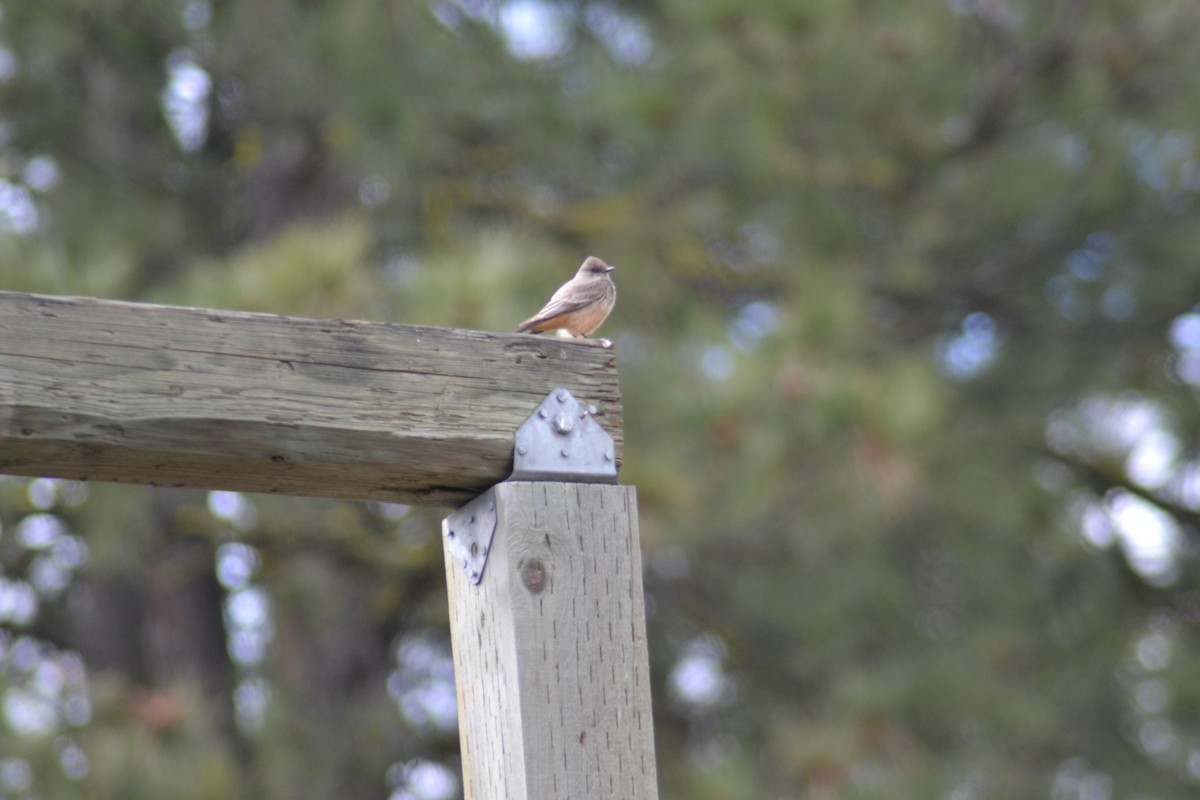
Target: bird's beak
<point x="609" y="268"/>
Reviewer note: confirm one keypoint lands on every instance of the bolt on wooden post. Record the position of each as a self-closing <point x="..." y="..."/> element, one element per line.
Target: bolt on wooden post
<point x="549" y="640"/>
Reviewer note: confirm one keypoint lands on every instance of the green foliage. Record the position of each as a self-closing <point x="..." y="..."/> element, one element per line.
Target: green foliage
<point x="315" y="269"/>
<point x="874" y="261"/>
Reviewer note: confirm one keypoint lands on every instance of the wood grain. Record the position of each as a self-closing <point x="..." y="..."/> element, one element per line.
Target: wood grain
<point x="550" y="655"/>
<point x="168" y="396"/>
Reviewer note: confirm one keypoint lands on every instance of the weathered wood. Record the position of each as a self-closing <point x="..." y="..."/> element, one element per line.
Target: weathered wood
<point x="103" y="390"/>
<point x="550" y="654"/>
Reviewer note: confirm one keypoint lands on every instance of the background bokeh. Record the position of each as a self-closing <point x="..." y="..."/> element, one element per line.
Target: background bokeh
<point x="908" y="345"/>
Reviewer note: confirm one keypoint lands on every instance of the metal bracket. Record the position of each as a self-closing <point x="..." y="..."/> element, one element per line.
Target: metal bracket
<point x="562" y="441"/>
<point x="468" y="533"/>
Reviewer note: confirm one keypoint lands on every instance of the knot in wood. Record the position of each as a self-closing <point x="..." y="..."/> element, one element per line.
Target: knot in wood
<point x="533" y="575"/>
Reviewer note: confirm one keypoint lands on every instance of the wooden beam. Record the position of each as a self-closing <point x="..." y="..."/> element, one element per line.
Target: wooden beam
<point x="167" y="396"/>
<point x="550" y="658"/>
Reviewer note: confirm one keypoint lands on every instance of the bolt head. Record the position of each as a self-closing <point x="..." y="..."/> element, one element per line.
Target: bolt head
<point x="561" y="396"/>
<point x="563" y="424"/>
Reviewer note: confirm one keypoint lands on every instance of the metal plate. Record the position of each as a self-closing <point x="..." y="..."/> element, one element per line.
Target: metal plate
<point x="562" y="441"/>
<point x="468" y="533"/>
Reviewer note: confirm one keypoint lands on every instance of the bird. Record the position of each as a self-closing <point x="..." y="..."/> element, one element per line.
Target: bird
<point x="579" y="306"/>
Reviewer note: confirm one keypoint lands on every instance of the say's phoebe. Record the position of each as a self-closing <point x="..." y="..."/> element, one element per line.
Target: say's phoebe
<point x="580" y="305"/>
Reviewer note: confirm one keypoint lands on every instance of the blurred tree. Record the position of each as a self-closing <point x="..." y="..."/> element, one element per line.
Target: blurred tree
<point x="909" y="346"/>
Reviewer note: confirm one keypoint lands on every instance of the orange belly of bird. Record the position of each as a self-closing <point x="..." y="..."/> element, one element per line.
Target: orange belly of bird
<point x="580" y="323"/>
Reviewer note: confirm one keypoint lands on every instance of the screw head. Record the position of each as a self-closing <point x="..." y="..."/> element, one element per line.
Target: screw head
<point x="561" y="395"/>
<point x="522" y="449"/>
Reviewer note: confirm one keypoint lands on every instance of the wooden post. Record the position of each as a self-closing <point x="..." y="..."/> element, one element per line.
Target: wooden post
<point x="168" y="396"/>
<point x="549" y="648"/>
<point x="550" y="654"/>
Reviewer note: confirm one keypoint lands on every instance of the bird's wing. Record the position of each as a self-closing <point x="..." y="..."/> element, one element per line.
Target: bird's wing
<point x="566" y="300"/>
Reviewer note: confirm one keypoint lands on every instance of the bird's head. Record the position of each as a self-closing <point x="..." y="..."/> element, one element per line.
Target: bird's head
<point x="593" y="267"/>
